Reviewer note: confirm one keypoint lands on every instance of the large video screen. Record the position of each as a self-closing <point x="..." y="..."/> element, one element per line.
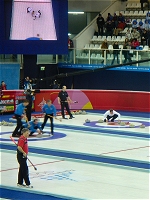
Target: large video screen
<point x="33" y="26"/>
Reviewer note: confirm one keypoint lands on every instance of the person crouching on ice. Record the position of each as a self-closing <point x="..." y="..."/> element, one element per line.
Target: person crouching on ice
<point x="111" y="115"/>
<point x="33" y="127"/>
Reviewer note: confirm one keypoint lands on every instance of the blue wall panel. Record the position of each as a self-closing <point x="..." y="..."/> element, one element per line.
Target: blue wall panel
<point x="10" y="73"/>
<point x="106" y="80"/>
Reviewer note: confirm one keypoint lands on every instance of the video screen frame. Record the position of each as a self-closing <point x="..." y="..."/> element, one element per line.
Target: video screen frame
<point x="41" y="46"/>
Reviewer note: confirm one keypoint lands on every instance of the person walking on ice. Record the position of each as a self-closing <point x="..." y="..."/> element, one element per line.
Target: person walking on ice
<point x="22" y="152"/>
<point x="63" y="100"/>
<point x="19" y="113"/>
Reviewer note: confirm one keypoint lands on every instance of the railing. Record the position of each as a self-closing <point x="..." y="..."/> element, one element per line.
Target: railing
<point x="106" y="56"/>
<point x="89" y="56"/>
<point x="11" y="58"/>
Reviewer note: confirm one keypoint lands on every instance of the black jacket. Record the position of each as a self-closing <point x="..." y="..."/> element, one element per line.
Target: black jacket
<point x="100" y="21"/>
<point x="115" y="46"/>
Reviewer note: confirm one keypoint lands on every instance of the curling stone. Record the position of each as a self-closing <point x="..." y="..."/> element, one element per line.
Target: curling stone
<point x="131" y="125"/>
<point x="100" y="121"/>
<point x="72" y="113"/>
<point x="5" y="124"/>
<point x="84" y="112"/>
<point x="77" y="112"/>
<point x="12" y="120"/>
<point x="142" y="126"/>
<point x="39" y="135"/>
<point x="80" y="111"/>
<point x="10" y="124"/>
<point x="122" y="123"/>
<point x="87" y="121"/>
<point x="2" y="122"/>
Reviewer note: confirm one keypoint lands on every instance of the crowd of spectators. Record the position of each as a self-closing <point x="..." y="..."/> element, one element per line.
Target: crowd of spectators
<point x="113" y="25"/>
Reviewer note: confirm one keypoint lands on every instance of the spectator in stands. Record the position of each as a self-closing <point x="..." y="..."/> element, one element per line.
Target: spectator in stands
<point x="109" y="28"/>
<point x="100" y="24"/>
<point x="144" y="37"/>
<point x="128" y="34"/>
<point x="3" y="85"/>
<point x="136" y="34"/>
<point x="119" y="28"/>
<point x="121" y="17"/>
<point x="113" y="24"/>
<point x="135" y="43"/>
<point x="148" y="16"/>
<point x="146" y="25"/>
<point x="69" y="56"/>
<point x="126" y="41"/>
<point x="128" y="52"/>
<point x="109" y="17"/>
<point x="125" y="45"/>
<point x="104" y="46"/>
<point x="128" y="21"/>
<point x="144" y="1"/>
<point x="115" y="52"/>
<point x="140" y="27"/>
<point x="135" y="24"/>
<point x="115" y="19"/>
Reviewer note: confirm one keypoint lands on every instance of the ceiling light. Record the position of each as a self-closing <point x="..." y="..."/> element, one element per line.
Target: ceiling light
<point x="75" y="13"/>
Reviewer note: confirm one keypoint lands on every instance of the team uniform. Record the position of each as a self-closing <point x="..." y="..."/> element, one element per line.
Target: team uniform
<point x="51" y="111"/>
<point x="32" y="127"/>
<point x="111" y="117"/>
<point x="23" y="174"/>
<point x="18" y="114"/>
<point x="63" y="95"/>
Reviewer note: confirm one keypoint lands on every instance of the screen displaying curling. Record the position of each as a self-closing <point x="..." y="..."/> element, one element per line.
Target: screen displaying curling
<point x="32" y="20"/>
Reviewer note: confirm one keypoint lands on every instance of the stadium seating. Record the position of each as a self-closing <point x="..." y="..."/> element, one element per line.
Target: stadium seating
<point x="131" y="13"/>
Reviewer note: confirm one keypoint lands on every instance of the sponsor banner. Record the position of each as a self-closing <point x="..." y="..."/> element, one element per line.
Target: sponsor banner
<point x="92" y="67"/>
<point x="7" y="105"/>
<point x="11" y="99"/>
<point x="19" y="99"/>
<point x="85" y="100"/>
<point x="97" y="100"/>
